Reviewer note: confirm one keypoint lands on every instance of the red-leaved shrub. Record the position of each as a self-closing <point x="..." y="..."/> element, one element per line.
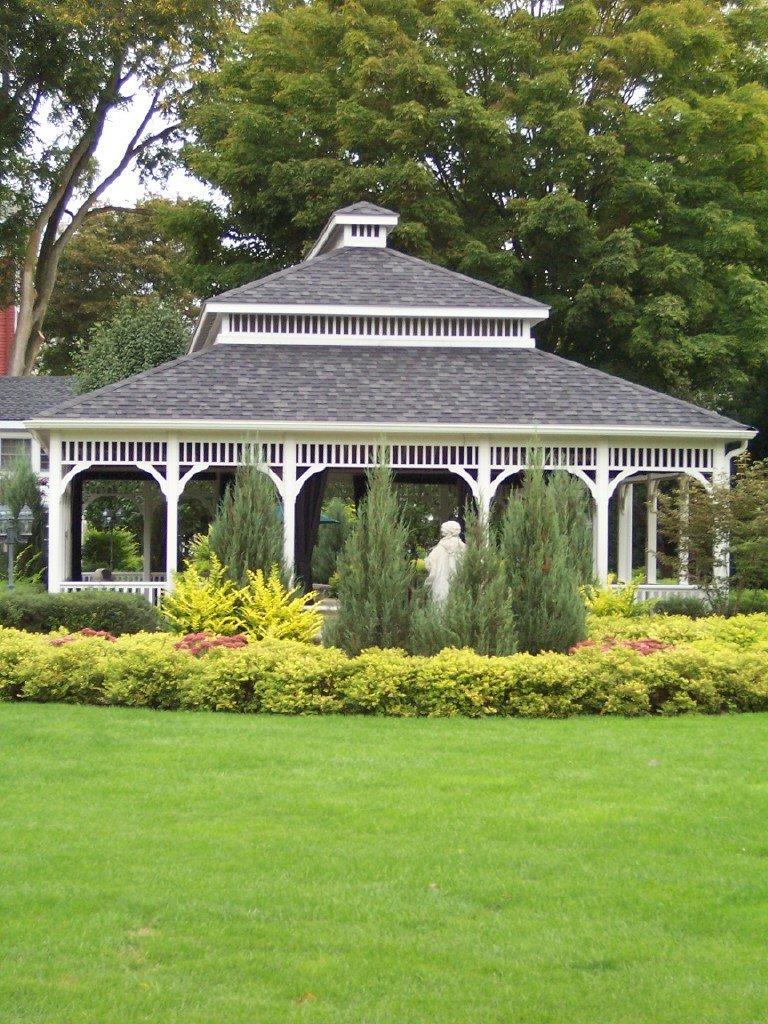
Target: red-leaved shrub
<point x="648" y="645"/>
<point x="199" y="643"/>
<point x="59" y="641"/>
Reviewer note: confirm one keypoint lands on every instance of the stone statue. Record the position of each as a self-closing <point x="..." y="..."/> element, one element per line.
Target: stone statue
<point x="443" y="559"/>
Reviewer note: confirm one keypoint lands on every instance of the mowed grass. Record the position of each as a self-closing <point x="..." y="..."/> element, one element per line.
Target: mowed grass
<point x="203" y="869"/>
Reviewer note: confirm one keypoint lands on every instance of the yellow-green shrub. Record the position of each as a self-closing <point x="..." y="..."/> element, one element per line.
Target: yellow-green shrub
<point x="268" y="610"/>
<point x="741" y="631"/>
<point x="716" y="672"/>
<point x="16" y="649"/>
<point x="203" y="603"/>
<point x="146" y="671"/>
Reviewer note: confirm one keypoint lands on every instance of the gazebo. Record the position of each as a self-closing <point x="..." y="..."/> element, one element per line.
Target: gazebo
<point x="357" y="346"/>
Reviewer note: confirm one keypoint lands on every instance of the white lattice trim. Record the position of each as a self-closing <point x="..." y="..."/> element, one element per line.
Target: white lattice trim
<point x="228" y="453"/>
<point x="554" y="456"/>
<point x="401" y="456"/>
<point x="307" y="325"/>
<point x="114" y="452"/>
<point x="661" y="458"/>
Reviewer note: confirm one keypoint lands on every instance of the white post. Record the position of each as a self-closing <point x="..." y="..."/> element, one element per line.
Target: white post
<point x="625" y="538"/>
<point x="172" y="510"/>
<point x="484" y="480"/>
<point x="652" y="532"/>
<point x="289" y="505"/>
<point x="146" y="545"/>
<point x="721" y="477"/>
<point x="56" y="543"/>
<point x="602" y="501"/>
<point x="683" y="554"/>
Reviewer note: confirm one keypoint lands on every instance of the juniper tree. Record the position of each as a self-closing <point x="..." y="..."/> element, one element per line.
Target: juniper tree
<point x="572" y="503"/>
<point x="478" y="610"/>
<point x="544" y="583"/>
<point x="247" y="532"/>
<point x="375" y="573"/>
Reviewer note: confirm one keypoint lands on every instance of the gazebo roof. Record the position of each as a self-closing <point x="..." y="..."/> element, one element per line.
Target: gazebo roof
<point x="375" y="385"/>
<point x="352" y="276"/>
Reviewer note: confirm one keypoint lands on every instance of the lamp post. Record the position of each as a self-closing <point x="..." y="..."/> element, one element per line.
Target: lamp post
<point x="13" y="529"/>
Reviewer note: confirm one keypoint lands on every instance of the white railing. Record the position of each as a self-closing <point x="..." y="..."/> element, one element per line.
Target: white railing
<point x="121" y="576"/>
<point x="660" y="591"/>
<point x="153" y="592"/>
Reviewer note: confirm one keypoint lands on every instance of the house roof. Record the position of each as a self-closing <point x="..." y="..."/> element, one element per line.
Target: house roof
<point x="21" y="398"/>
<point x="353" y="275"/>
<point x="374" y="385"/>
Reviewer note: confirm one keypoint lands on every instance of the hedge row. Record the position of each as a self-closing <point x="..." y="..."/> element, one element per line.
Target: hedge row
<point x="86" y="609"/>
<point x="292" y="678"/>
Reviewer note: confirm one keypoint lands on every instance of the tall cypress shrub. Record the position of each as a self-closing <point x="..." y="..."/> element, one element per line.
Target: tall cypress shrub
<point x="478" y="610"/>
<point x="573" y="507"/>
<point x="544" y="583"/>
<point x="375" y="573"/>
<point x="247" y="532"/>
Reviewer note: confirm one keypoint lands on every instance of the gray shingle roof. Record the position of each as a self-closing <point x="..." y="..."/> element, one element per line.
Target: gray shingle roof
<point x="394" y="385"/>
<point x="24" y="397"/>
<point x="363" y="206"/>
<point x="360" y="276"/>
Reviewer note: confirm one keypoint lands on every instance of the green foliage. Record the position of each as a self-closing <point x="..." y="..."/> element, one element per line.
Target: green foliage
<point x="543" y="578"/>
<point x="478" y="610"/>
<point x="331" y="539"/>
<point x="247" y="533"/>
<point x="607" y="158"/>
<point x="170" y="249"/>
<point x="375" y="574"/>
<point x="144" y="332"/>
<point x="264" y="609"/>
<point x="88" y="609"/>
<point x="268" y="610"/>
<point x="202" y="602"/>
<point x="710" y="666"/>
<point x="20" y="486"/>
<point x="200" y="554"/>
<point x="615" y="599"/>
<point x="721" y="534"/>
<point x="114" y="549"/>
<point x="573" y="505"/>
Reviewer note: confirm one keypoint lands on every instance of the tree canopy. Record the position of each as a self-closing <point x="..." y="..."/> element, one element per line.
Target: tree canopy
<point x="66" y="65"/>
<point x="607" y="156"/>
<point x="143" y="333"/>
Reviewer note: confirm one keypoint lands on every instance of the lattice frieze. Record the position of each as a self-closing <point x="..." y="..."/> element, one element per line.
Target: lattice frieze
<point x="660" y="459"/>
<point x="505" y="457"/>
<point x="401" y="456"/>
<point x="228" y="453"/>
<point x="114" y="453"/>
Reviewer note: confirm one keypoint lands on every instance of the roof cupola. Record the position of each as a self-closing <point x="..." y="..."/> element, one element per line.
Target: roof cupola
<point x="361" y="225"/>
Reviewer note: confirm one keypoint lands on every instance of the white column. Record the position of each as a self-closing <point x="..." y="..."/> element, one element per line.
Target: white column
<point x="56" y="542"/>
<point x="148" y="505"/>
<point x="484" y="480"/>
<point x="625" y="538"/>
<point x="652" y="531"/>
<point x="289" y="505"/>
<point x="683" y="553"/>
<point x="602" y="501"/>
<point x="172" y="509"/>
<point x="721" y="477"/>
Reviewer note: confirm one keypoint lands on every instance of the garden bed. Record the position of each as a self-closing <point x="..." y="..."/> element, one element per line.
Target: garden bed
<point x="666" y="665"/>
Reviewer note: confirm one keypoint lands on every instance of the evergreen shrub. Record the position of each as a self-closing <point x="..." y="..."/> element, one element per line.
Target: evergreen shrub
<point x="111" y="611"/>
<point x="542" y="572"/>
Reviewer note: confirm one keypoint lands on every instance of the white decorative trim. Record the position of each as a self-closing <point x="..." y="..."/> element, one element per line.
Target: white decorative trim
<point x="244" y="305"/>
<point x="522" y="432"/>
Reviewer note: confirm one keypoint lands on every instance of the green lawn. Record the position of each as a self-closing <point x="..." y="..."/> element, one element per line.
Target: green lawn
<point x="201" y="869"/>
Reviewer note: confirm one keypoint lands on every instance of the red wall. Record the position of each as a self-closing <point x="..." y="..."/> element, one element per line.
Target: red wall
<point x="7" y="327"/>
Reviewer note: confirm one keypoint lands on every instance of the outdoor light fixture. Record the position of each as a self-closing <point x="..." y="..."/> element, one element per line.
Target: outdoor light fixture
<point x="14" y="529"/>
